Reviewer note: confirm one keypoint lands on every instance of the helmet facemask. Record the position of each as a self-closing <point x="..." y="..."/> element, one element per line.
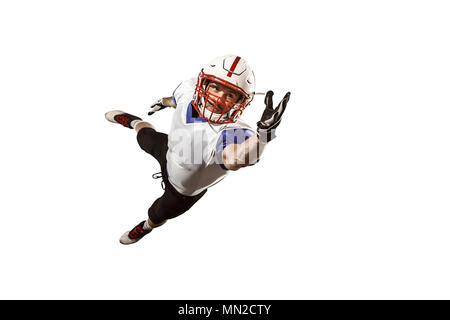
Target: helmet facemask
<point x="217" y="109"/>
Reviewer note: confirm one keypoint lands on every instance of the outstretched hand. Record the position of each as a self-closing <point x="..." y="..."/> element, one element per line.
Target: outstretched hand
<point x="156" y="106"/>
<point x="271" y="117"/>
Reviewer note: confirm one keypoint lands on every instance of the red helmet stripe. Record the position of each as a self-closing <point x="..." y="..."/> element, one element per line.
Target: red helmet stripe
<point x="233" y="66"/>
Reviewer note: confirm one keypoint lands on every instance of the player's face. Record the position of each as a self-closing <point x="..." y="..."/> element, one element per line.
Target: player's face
<point x="227" y="97"/>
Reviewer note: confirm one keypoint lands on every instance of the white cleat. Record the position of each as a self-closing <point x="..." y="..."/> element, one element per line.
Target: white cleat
<point x="136" y="234"/>
<point x="111" y="114"/>
<point x="123" y="118"/>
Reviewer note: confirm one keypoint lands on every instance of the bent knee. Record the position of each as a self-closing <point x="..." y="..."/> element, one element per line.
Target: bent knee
<point x="142" y="125"/>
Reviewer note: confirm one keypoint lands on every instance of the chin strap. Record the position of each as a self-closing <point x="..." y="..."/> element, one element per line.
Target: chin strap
<point x="208" y="115"/>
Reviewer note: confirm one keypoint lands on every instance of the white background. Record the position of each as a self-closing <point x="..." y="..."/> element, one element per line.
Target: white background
<point x="350" y="201"/>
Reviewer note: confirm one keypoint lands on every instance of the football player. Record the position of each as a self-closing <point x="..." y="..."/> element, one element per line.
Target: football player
<point x="207" y="138"/>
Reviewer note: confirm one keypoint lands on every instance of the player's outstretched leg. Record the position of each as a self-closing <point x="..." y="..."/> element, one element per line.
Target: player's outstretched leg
<point x="123" y="118"/>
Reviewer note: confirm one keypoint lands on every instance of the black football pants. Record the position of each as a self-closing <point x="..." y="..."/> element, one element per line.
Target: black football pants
<point x="172" y="203"/>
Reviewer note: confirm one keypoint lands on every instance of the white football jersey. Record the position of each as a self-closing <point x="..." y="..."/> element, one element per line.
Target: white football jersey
<point x="194" y="158"/>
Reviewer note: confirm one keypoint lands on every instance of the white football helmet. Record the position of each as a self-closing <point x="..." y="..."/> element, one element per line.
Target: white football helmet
<point x="232" y="72"/>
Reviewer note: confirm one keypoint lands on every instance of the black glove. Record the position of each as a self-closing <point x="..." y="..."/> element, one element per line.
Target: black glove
<point x="271" y="118"/>
<point x="156" y="106"/>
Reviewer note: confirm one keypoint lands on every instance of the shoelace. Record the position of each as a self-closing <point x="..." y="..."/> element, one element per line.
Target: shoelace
<point x="159" y="175"/>
<point x="122" y="120"/>
<point x="136" y="232"/>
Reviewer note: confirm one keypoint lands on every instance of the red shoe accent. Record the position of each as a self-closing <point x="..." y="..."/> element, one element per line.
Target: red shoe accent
<point x="123" y="120"/>
<point x="136" y="232"/>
